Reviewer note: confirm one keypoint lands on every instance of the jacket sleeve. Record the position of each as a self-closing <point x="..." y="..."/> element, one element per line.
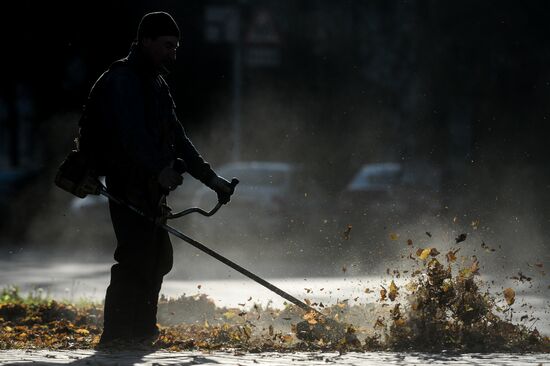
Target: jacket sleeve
<point x="196" y="166"/>
<point x="123" y="108"/>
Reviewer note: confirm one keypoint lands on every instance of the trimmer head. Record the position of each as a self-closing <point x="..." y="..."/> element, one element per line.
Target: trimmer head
<point x="326" y="329"/>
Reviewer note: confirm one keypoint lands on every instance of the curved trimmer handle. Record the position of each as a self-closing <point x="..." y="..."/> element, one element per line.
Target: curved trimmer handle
<point x="234" y="183"/>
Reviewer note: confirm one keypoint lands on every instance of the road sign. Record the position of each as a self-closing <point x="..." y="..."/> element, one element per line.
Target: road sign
<point x="262" y="41"/>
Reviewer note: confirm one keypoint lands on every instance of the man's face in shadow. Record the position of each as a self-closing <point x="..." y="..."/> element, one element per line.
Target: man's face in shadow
<point x="161" y="51"/>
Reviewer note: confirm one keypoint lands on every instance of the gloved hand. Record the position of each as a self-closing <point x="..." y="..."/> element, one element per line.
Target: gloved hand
<point x="169" y="178"/>
<point x="222" y="187"/>
<point x="164" y="212"/>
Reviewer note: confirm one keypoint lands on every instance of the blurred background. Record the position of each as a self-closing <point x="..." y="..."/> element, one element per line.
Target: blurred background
<point x="353" y="125"/>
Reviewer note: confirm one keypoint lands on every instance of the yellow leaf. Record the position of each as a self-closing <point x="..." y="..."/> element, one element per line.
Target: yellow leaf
<point x="394" y="236"/>
<point x="8" y="329"/>
<point x="393" y="291"/>
<point x="229" y="314"/>
<point x="465" y="272"/>
<point x="82" y="331"/>
<point x="425" y="253"/>
<point x="509" y="296"/>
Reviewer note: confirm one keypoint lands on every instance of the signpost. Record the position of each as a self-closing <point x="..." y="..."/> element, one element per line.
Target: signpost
<point x="262" y="49"/>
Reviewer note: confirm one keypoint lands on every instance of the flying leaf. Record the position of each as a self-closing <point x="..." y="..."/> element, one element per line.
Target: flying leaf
<point x="347" y="232"/>
<point x="486" y="247"/>
<point x="509" y="296"/>
<point x="521" y="277"/>
<point x="379" y="323"/>
<point x="425" y="253"/>
<point x="474" y="268"/>
<point x="383" y="293"/>
<point x="394" y="236"/>
<point x="393" y="291"/>
<point x="461" y="238"/>
<point x="451" y="255"/>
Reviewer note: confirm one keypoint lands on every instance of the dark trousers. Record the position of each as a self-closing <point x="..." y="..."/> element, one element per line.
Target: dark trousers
<point x="143" y="255"/>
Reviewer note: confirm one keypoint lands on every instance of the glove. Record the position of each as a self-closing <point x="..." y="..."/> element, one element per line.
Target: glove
<point x="169" y="178"/>
<point x="222" y="187"/>
<point x="164" y="212"/>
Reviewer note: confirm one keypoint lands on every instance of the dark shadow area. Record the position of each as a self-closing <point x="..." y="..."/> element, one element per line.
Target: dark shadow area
<point x="118" y="358"/>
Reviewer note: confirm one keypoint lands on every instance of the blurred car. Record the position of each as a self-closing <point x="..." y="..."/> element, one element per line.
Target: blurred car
<point x="397" y="190"/>
<point x="264" y="185"/>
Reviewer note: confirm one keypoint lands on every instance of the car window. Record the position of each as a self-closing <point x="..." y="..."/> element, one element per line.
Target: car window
<point x="375" y="178"/>
<point x="384" y="178"/>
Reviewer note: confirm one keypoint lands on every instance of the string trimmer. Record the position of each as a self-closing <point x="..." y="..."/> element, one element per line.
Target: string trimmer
<point x="75" y="178"/>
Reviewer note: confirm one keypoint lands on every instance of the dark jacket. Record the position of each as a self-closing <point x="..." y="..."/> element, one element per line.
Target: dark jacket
<point x="130" y="128"/>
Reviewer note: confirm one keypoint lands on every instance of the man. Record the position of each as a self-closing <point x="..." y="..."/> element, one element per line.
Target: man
<point x="131" y="134"/>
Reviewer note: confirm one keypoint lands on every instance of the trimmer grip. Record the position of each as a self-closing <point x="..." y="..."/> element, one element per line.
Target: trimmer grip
<point x="180" y="166"/>
<point x="234" y="182"/>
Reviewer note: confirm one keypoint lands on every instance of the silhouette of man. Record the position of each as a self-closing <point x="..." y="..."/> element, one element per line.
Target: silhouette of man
<point x="131" y="131"/>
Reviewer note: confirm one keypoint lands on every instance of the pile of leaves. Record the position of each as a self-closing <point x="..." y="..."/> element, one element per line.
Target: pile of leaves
<point x="442" y="307"/>
<point x="41" y="323"/>
<point x="446" y="312"/>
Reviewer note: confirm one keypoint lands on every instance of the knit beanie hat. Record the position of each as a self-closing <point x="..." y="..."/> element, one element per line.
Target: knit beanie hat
<point x="157" y="24"/>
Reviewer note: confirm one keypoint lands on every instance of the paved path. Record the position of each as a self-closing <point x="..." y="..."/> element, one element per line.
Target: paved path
<point x="88" y="357"/>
